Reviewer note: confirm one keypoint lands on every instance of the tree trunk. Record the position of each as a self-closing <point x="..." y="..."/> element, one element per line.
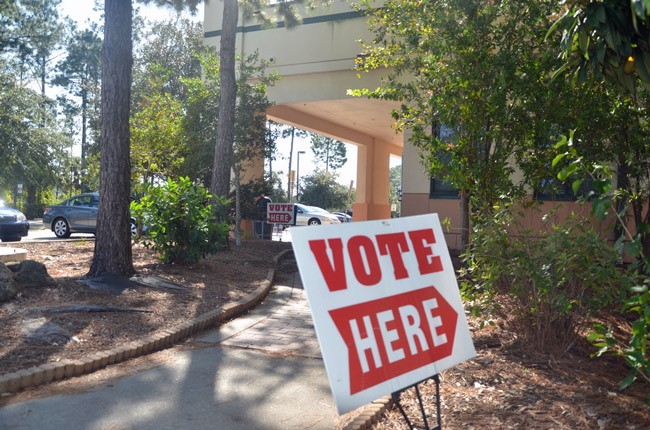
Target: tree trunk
<point x="237" y="208"/>
<point x="113" y="238"/>
<point x="289" y="181"/>
<point x="84" y="142"/>
<point x="464" y="220"/>
<point x="223" y="151"/>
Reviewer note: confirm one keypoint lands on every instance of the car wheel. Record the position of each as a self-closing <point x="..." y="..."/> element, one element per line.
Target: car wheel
<point x="313" y="221"/>
<point x="10" y="238"/>
<point x="61" y="228"/>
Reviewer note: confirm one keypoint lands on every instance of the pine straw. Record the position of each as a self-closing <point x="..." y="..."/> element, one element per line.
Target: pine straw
<point x="216" y="280"/>
<point x="511" y="385"/>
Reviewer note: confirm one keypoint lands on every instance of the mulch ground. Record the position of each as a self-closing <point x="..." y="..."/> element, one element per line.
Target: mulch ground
<point x="35" y="330"/>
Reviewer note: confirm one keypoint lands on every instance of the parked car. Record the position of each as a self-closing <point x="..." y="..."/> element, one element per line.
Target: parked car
<point x="77" y="214"/>
<point x="313" y="215"/>
<point x="343" y="217"/>
<point x="13" y="224"/>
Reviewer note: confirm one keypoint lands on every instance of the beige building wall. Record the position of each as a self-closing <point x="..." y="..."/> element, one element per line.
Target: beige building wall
<point x="416" y="200"/>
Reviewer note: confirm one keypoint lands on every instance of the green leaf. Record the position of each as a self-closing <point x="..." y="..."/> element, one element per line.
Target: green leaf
<point x="562" y="142"/>
<point x="582" y="74"/>
<point x="567" y="171"/>
<point x="638" y="8"/>
<point x="560" y="71"/>
<point x="633" y="248"/>
<point x="600" y="206"/>
<point x="558" y="158"/>
<point x="603" y="185"/>
<point x="600" y="54"/>
<point x="628" y="380"/>
<point x="643" y="227"/>
<point x="583" y="41"/>
<point x="576" y="185"/>
<point x="600" y="13"/>
<point x="594" y="336"/>
<point x="641" y="69"/>
<point x="559" y="22"/>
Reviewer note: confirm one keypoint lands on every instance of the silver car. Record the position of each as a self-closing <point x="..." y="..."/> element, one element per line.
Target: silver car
<point x="313" y="215"/>
<point x="78" y="214"/>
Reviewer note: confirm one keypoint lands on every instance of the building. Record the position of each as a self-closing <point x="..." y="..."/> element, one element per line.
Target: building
<point x="316" y="61"/>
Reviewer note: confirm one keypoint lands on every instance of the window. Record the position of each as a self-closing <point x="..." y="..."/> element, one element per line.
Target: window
<point x="554" y="189"/>
<point x="84" y="201"/>
<point x="439" y="188"/>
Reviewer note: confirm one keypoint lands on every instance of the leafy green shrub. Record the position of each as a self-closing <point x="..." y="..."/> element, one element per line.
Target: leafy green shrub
<point x="558" y="276"/>
<point x="609" y="201"/>
<point x="34" y="210"/>
<point x="180" y="223"/>
<point x="635" y="353"/>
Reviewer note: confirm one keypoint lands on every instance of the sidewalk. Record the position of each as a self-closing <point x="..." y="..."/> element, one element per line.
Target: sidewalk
<point x="260" y="371"/>
<point x="285" y="327"/>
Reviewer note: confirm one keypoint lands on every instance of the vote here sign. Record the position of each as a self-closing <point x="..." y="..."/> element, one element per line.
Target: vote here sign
<point x="385" y="304"/>
<point x="281" y="213"/>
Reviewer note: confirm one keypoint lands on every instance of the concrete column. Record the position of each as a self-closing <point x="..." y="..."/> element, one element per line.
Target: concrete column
<point x="373" y="168"/>
<point x="253" y="171"/>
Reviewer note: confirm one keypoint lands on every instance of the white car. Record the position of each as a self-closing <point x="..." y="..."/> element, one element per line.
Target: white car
<point x="312" y="215"/>
<point x="343" y="217"/>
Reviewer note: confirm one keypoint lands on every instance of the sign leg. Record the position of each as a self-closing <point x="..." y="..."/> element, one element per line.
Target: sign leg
<point x="425" y="422"/>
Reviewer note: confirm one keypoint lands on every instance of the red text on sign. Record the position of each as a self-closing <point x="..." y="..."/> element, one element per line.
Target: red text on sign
<point x="394" y="335"/>
<point x="279" y="207"/>
<point x="364" y="253"/>
<point x="279" y="218"/>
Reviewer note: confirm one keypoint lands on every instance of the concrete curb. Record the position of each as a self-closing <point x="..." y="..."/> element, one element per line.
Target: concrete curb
<point x="64" y="369"/>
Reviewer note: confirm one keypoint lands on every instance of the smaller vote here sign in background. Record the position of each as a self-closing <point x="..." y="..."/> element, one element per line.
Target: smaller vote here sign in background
<point x="385" y="304"/>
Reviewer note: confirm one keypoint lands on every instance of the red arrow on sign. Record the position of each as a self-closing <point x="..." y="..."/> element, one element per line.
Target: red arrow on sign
<point x="394" y="335"/>
<point x="280" y="218"/>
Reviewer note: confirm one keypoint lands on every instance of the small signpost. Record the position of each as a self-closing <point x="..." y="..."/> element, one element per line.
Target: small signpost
<point x="281" y="213"/>
<point x="385" y="304"/>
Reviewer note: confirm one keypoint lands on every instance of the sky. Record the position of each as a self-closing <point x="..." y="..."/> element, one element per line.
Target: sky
<point x="82" y="10"/>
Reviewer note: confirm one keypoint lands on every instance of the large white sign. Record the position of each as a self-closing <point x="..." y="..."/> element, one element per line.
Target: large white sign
<point x="385" y="304"/>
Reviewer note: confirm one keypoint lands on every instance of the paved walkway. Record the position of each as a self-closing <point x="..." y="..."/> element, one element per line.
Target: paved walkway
<point x="285" y="327"/>
<point x="261" y="371"/>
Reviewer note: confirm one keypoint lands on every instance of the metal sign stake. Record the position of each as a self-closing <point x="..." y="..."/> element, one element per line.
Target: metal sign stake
<point x="396" y="400"/>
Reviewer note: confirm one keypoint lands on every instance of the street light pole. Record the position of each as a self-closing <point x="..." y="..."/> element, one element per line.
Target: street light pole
<point x="298" y="175"/>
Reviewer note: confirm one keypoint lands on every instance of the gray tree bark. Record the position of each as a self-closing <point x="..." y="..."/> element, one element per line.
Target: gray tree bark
<point x="223" y="153"/>
<point x="113" y="238"/>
